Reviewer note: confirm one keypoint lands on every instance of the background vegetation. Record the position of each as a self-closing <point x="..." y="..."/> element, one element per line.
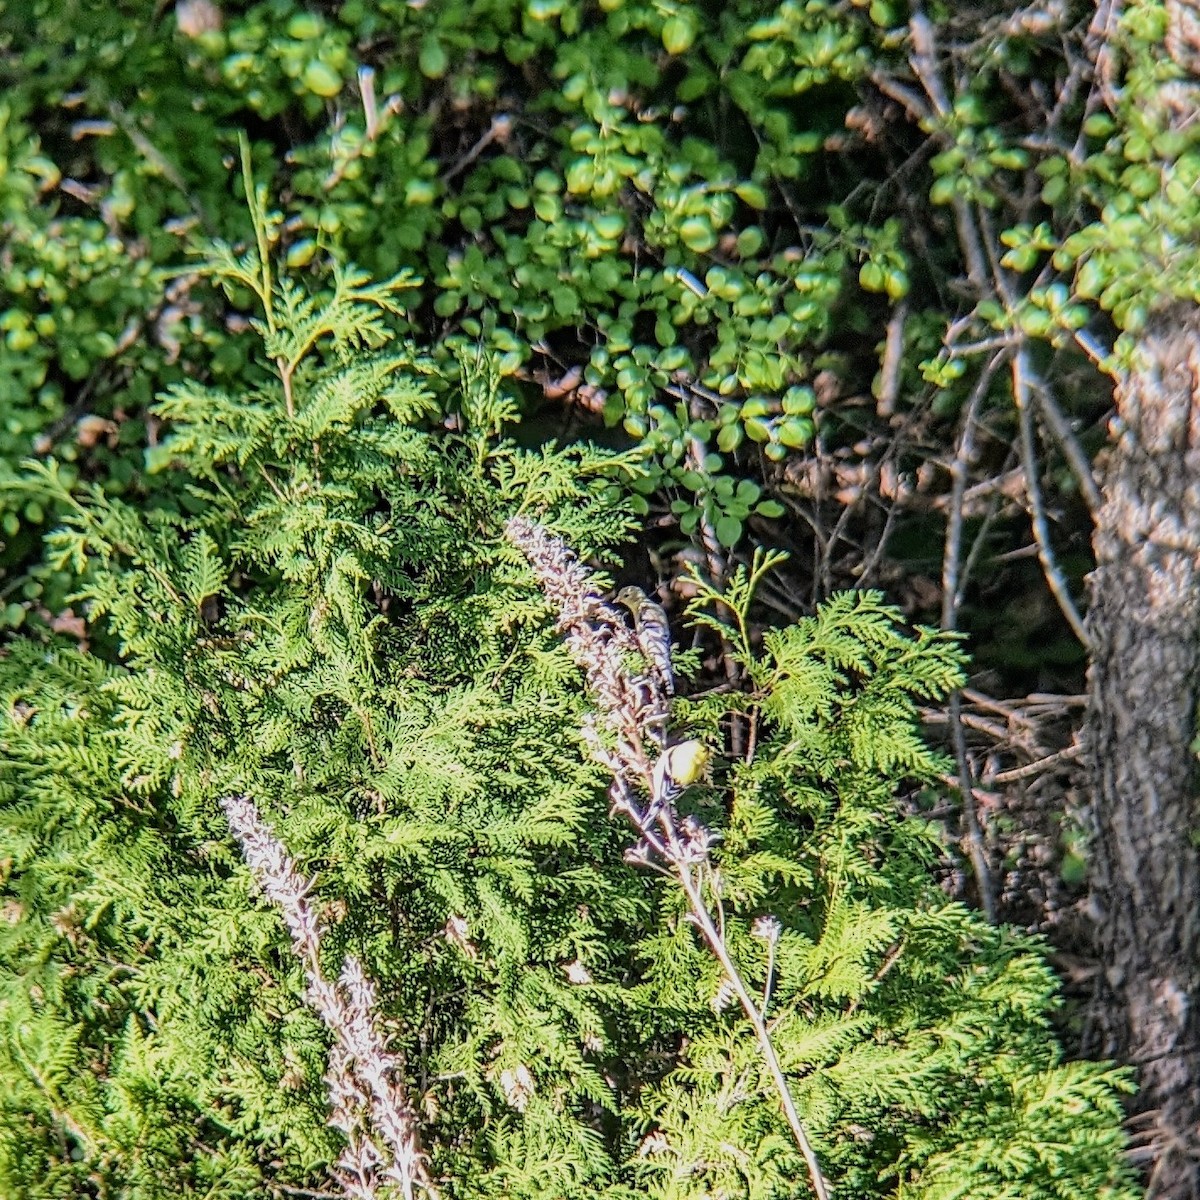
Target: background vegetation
<point x="854" y="280"/>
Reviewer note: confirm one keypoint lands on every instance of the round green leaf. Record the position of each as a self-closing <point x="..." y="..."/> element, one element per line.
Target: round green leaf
<point x="796" y="432"/>
<point x="321" y="79"/>
<point x="301" y="253"/>
<point x="758" y="430"/>
<point x="305" y="26"/>
<point x="752" y="194"/>
<point x="728" y="530"/>
<point x="678" y="34"/>
<point x="870" y="277"/>
<point x="895" y="283"/>
<point x="729" y="438"/>
<point x="433" y="60"/>
<point x="581" y="174"/>
<point x="697" y="235"/>
<point x="799" y="401"/>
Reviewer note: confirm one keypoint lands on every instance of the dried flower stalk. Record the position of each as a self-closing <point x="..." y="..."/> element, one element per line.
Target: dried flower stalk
<point x="366" y="1095"/>
<point x="633" y="709"/>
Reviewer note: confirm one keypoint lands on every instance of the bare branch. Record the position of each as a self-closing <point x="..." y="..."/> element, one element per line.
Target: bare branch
<point x="964" y="453"/>
<point x="951" y="592"/>
<point x="1033" y="768"/>
<point x="1073" y="452"/>
<point x="1037" y="512"/>
<point x="893" y="358"/>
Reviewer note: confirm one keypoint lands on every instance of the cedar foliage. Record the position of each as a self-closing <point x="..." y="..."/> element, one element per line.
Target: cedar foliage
<point x="329" y="619"/>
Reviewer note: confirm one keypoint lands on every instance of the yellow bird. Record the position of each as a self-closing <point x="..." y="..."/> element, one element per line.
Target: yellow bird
<point x="679" y="767"/>
<point x="653" y="633"/>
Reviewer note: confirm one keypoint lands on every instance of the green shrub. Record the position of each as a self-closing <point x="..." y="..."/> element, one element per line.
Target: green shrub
<point x="693" y="221"/>
<point x="329" y="619"/>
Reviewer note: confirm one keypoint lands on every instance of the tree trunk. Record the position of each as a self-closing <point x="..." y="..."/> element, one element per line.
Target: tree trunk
<point x="1144" y="630"/>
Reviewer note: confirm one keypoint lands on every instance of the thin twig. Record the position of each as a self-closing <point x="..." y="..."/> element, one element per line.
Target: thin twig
<point x="1055" y="700"/>
<point x="1092" y="347"/>
<point x="963" y="455"/>
<point x="1033" y="768"/>
<point x="890" y="959"/>
<point x="1073" y="452"/>
<point x="993" y="729"/>
<point x="1037" y="512"/>
<point x="498" y="131"/>
<point x="980" y="541"/>
<point x="893" y="359"/>
<point x="951" y="561"/>
<point x="877" y="552"/>
<point x="1006" y="708"/>
<point x="974" y="832"/>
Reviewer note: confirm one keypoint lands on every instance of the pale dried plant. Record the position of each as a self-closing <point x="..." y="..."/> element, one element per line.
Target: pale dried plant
<point x="627" y="733"/>
<point x="367" y="1101"/>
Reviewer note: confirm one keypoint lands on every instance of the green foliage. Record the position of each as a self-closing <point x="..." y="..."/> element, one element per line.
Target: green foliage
<point x="323" y="613"/>
<point x="1118" y="214"/>
<point x="915" y="1033"/>
<point x="1137" y="180"/>
<point x="329" y="626"/>
<point x="1140" y="177"/>
<point x="557" y="172"/>
<point x="693" y="222"/>
<point x="72" y="301"/>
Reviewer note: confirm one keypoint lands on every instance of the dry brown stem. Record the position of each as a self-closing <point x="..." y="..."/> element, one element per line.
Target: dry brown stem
<point x="368" y="1105"/>
<point x="630" y="709"/>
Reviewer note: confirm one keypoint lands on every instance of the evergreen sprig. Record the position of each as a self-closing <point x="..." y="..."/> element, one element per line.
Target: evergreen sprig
<point x="328" y="616"/>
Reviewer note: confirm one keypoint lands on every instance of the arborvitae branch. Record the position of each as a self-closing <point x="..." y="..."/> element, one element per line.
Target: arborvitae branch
<point x="644" y="786"/>
<point x="365" y="1091"/>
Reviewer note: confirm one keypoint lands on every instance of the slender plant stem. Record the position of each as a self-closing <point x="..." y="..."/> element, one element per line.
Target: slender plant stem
<point x="702" y="918"/>
<point x="602" y="644"/>
<point x="1037" y="511"/>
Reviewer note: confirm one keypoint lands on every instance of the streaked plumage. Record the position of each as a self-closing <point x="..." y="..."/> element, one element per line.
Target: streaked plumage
<point x="653" y="633"/>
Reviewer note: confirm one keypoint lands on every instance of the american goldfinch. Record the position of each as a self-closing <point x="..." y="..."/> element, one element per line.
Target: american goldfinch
<point x="653" y="633"/>
<point x="680" y="766"/>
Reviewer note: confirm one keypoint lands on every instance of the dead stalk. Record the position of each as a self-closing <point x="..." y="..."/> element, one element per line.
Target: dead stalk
<point x="626" y="737"/>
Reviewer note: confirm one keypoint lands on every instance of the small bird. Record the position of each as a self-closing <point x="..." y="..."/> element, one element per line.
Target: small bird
<point x="679" y="767"/>
<point x="653" y="633"/>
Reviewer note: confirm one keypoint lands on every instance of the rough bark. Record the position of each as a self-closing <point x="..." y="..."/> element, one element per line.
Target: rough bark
<point x="1144" y="630"/>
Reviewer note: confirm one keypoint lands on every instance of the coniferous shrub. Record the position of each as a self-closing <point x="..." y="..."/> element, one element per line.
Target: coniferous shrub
<point x="331" y="620"/>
